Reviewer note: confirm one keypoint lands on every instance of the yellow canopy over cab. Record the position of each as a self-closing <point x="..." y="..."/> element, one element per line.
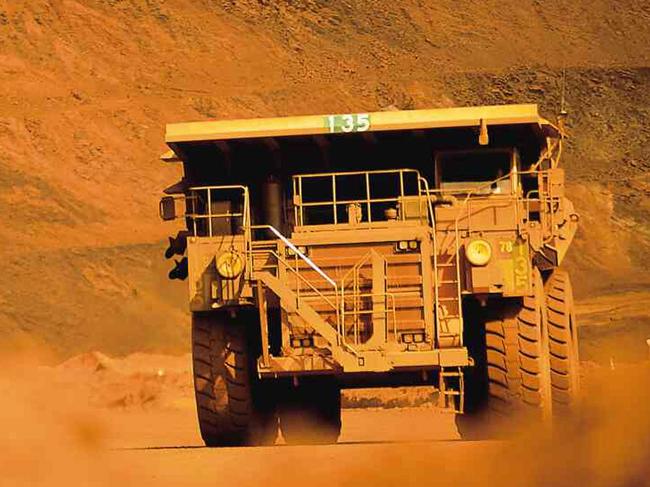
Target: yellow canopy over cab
<point x="405" y="120"/>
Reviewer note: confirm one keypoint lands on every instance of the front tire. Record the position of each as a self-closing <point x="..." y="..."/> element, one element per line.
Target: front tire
<point x="233" y="407"/>
<point x="563" y="342"/>
<point x="510" y="385"/>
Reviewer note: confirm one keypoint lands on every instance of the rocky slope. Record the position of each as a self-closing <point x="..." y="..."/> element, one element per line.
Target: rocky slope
<point x="87" y="85"/>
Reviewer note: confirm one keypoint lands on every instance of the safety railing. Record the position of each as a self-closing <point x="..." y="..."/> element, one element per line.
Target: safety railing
<point x="298" y="253"/>
<point x="338" y="301"/>
<point x="437" y="325"/>
<point x="549" y="203"/>
<point x="545" y="199"/>
<point x="296" y="272"/>
<point x="201" y="209"/>
<point x="358" y="296"/>
<point x="335" y="305"/>
<point x="390" y="309"/>
<point x="407" y="185"/>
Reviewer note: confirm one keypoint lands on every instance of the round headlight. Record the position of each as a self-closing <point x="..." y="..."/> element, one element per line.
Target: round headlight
<point x="229" y="264"/>
<point x="478" y="252"/>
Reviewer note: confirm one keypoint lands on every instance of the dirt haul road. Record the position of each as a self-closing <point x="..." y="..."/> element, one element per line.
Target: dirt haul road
<point x="410" y="446"/>
<point x="99" y="421"/>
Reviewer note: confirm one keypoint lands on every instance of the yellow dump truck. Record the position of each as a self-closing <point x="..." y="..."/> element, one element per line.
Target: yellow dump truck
<point x="396" y="248"/>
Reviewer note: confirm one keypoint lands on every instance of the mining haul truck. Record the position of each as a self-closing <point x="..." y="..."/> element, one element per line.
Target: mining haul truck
<point x="397" y="248"/>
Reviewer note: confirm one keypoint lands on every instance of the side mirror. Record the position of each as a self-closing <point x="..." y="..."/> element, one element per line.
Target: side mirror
<point x="167" y="208"/>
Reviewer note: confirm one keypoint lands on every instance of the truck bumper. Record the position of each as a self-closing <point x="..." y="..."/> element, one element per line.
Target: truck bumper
<point x="399" y="361"/>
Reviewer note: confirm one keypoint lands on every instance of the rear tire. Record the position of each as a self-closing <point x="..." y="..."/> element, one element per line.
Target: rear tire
<point x="563" y="342"/>
<point x="234" y="407"/>
<point x="510" y="385"/>
<point x="310" y="413"/>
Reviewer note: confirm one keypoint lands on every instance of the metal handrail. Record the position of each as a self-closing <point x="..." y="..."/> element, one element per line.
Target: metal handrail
<point x="334" y="203"/>
<point x="354" y="270"/>
<point x="302" y="278"/>
<point x="356" y="295"/>
<point x="211" y="215"/>
<point x="296" y="251"/>
<point x="392" y="309"/>
<point x="245" y="213"/>
<point x="354" y="173"/>
<point x="436" y="332"/>
<point x="311" y="264"/>
<point x="465" y="203"/>
<point x="548" y="216"/>
<point x="468" y="196"/>
<point x="313" y="204"/>
<point x="320" y="294"/>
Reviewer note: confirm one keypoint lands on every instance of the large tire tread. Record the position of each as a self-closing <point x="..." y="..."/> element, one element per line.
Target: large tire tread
<point x="515" y="365"/>
<point x="562" y="332"/>
<point x="230" y="409"/>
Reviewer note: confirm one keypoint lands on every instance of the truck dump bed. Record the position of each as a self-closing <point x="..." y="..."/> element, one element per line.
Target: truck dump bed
<point x="179" y="134"/>
<point x="300" y="140"/>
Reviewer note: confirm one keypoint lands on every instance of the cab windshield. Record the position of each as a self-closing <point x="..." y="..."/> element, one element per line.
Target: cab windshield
<point x="473" y="171"/>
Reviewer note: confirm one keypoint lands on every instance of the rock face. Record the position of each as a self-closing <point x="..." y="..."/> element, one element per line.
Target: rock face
<point x="88" y="84"/>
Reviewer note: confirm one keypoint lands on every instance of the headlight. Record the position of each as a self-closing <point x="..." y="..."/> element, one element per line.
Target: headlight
<point x="478" y="252"/>
<point x="407" y="246"/>
<point x="229" y="264"/>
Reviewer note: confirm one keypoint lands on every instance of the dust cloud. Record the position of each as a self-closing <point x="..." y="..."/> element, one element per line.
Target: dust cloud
<point x="84" y="422"/>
